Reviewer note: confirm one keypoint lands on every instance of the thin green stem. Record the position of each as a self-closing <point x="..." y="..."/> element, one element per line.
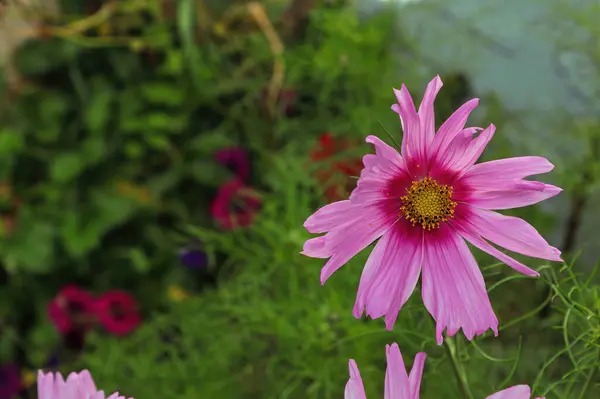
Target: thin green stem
<point x="588" y="381"/>
<point x="458" y="369"/>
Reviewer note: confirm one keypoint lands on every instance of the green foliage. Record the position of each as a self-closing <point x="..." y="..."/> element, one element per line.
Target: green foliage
<point x="107" y="159"/>
<point x="271" y="331"/>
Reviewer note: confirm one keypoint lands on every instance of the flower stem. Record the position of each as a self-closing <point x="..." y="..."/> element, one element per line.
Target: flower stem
<point x="459" y="372"/>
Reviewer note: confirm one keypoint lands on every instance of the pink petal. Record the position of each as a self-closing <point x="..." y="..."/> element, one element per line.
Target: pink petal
<point x="385" y="151"/>
<point x="484" y="175"/>
<point x="351" y="237"/>
<point x="452" y="126"/>
<point x="354" y="387"/>
<point x="453" y="287"/>
<point x="447" y="159"/>
<point x="512" y="195"/>
<point x="474" y="150"/>
<point x="515" y="392"/>
<point x="414" y="379"/>
<point x="414" y="143"/>
<point x="353" y="240"/>
<point x="512" y="233"/>
<point x="396" y="380"/>
<point x="316" y="248"/>
<point x="330" y="216"/>
<point x="390" y="274"/>
<point x="379" y="169"/>
<point x="469" y="233"/>
<point x="426" y="112"/>
<point x="369" y="191"/>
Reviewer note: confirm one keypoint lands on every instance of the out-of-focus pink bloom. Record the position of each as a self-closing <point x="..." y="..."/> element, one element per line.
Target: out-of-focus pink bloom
<point x="237" y="159"/>
<point x="10" y="381"/>
<point x="423" y="205"/>
<point x="76" y="386"/>
<point x="235" y="205"/>
<point x="71" y="309"/>
<point x="515" y="392"/>
<point x="118" y="312"/>
<point x="398" y="385"/>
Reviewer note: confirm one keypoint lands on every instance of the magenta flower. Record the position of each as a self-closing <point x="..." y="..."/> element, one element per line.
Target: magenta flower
<point x="77" y="386"/>
<point x="10" y="381"/>
<point x="424" y="204"/>
<point x="398" y="385"/>
<point x="118" y="312"/>
<point x="71" y="309"/>
<point x="235" y="205"/>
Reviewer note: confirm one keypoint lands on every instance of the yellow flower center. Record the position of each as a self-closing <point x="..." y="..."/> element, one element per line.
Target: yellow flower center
<point x="427" y="203"/>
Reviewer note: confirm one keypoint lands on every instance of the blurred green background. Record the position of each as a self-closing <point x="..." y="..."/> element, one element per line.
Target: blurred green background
<point x="168" y="152"/>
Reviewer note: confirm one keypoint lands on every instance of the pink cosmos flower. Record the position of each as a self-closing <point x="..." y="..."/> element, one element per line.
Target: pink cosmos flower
<point x="77" y="386"/>
<point x="399" y="385"/>
<point x="424" y="204"/>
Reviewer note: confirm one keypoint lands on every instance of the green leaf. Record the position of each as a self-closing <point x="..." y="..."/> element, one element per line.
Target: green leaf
<point x="41" y="341"/>
<point x="31" y="247"/>
<point x="9" y="340"/>
<point x="66" y="167"/>
<point x="82" y="232"/>
<point x="210" y="142"/>
<point x="164" y="121"/>
<point x="163" y="94"/>
<point x="10" y="142"/>
<point x="158" y="141"/>
<point x="210" y="173"/>
<point x="140" y="261"/>
<point x="97" y="112"/>
<point x="173" y="64"/>
<point x="94" y="149"/>
<point x="77" y="240"/>
<point x="36" y="56"/>
<point x="134" y="150"/>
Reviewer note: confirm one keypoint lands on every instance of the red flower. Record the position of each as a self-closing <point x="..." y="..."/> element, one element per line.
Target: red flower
<point x="335" y="178"/>
<point x="237" y="159"/>
<point x="235" y="205"/>
<point x="118" y="312"/>
<point x="71" y="309"/>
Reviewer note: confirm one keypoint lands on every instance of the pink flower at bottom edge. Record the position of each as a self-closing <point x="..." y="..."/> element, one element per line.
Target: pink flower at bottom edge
<point x="224" y="210"/>
<point x="422" y="206"/>
<point x="398" y="385"/>
<point x="76" y="386"/>
<point x="514" y="392"/>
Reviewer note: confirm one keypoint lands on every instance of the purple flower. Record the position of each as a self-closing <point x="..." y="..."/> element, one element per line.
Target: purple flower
<point x="192" y="256"/>
<point x="10" y="381"/>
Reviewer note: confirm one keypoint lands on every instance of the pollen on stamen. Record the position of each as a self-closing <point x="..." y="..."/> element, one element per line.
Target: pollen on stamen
<point x="427" y="203"/>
